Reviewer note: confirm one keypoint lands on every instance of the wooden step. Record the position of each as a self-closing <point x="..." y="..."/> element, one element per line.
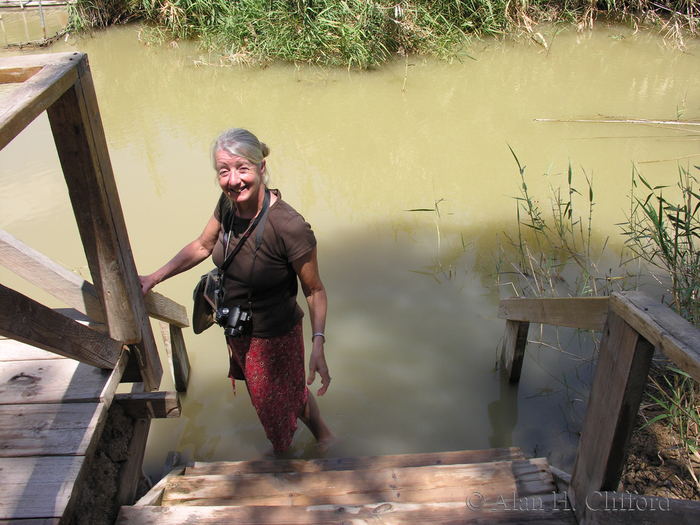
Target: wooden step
<point x="548" y="509"/>
<point x="427" y="484"/>
<point x="358" y="463"/>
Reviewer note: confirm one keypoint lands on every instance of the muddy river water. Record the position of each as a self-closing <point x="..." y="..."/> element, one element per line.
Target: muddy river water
<point x="412" y="332"/>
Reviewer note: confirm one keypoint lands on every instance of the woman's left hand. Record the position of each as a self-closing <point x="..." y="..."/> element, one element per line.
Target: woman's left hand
<point x="317" y="363"/>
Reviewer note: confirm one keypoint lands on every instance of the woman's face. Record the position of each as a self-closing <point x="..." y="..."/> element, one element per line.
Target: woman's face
<point x="240" y="180"/>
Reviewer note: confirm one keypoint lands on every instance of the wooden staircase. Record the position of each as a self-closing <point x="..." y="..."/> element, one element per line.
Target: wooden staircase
<point x="483" y="486"/>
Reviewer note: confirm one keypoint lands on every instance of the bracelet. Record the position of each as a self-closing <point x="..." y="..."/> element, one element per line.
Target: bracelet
<point x="316" y="334"/>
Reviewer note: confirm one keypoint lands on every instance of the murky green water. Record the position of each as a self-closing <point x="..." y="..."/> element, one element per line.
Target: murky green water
<point x="412" y="349"/>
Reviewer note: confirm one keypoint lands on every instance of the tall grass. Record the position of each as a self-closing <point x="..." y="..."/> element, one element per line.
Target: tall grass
<point x="359" y="33"/>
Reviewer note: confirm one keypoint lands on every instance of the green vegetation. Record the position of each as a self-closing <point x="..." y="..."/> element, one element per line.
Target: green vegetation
<point x="364" y="33"/>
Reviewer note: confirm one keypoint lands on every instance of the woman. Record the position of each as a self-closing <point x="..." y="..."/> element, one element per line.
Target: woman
<point x="269" y="356"/>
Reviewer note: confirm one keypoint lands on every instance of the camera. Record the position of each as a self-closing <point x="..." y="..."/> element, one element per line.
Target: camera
<point x="234" y="320"/>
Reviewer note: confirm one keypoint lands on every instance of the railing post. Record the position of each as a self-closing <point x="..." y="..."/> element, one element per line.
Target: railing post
<point x="616" y="392"/>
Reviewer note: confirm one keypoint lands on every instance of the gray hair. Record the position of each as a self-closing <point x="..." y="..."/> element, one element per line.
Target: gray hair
<point x="242" y="143"/>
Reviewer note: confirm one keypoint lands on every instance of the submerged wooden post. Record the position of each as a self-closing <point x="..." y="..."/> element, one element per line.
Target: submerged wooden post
<point x="616" y="392"/>
<point x="513" y="352"/>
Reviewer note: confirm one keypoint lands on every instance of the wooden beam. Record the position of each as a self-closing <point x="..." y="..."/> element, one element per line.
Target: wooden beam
<point x="616" y="392"/>
<point x="131" y="470"/>
<point x="149" y="405"/>
<point x="166" y="310"/>
<point x="513" y="351"/>
<point x="586" y="313"/>
<point x="177" y="355"/>
<point x="678" y="339"/>
<point x="14" y="75"/>
<point x="82" y="149"/>
<point x="18" y="109"/>
<point x="26" y="320"/>
<point x="615" y="508"/>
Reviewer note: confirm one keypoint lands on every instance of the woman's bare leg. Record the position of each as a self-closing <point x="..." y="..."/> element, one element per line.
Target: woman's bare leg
<point x="311" y="417"/>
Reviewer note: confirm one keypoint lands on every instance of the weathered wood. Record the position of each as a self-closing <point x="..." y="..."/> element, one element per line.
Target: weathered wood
<point x="155" y="495"/>
<point x="37" y="93"/>
<point x="586" y="313"/>
<point x="149" y="405"/>
<point x="55" y="381"/>
<point x="26" y="320"/>
<point x="42" y="487"/>
<point x="166" y="310"/>
<point x="513" y="351"/>
<point x="131" y="471"/>
<point x="72" y="313"/>
<point x="50" y="276"/>
<point x="82" y="149"/>
<point x="678" y="339"/>
<point x="14" y="75"/>
<point x="614" y="508"/>
<point x="433" y="484"/>
<point x="13" y="350"/>
<point x="547" y="509"/>
<point x="50" y="430"/>
<point x="177" y="355"/>
<point x="616" y="392"/>
<point x="460" y="457"/>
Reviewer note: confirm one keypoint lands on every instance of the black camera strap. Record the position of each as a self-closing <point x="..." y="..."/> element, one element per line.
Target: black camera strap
<point x="261" y="217"/>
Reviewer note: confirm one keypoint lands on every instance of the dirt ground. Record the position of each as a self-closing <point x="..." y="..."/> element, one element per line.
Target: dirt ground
<point x="655" y="466"/>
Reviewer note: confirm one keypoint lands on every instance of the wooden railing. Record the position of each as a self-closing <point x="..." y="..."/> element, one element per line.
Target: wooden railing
<point x="105" y="317"/>
<point x="633" y="325"/>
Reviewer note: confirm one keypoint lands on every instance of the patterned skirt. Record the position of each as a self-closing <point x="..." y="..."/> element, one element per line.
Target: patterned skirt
<point x="273" y="370"/>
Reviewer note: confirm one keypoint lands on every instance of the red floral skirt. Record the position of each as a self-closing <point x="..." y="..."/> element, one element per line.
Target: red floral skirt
<point x="273" y="370"/>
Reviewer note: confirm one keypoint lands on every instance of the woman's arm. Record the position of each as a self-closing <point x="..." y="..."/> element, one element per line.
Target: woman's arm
<point x="189" y="257"/>
<point x="306" y="268"/>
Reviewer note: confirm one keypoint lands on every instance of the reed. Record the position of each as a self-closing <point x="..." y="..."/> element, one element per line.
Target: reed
<point x="362" y="33"/>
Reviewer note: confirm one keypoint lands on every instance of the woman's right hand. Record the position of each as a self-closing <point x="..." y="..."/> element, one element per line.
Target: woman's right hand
<point x="147" y="283"/>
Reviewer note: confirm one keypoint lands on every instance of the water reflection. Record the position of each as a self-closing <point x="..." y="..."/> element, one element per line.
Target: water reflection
<point x="412" y="329"/>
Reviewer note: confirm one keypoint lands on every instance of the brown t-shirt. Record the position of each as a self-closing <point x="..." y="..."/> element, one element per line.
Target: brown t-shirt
<point x="287" y="236"/>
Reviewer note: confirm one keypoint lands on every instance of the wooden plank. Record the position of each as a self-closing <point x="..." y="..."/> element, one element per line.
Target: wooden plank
<point x="131" y="471"/>
<point x="155" y="495"/>
<point x="72" y="313"/>
<point x="460" y="457"/>
<point x="72" y="289"/>
<point x="38" y="487"/>
<point x="177" y="355"/>
<point x="149" y="405"/>
<point x="545" y="510"/>
<point x="13" y="350"/>
<point x="58" y="429"/>
<point x="28" y="321"/>
<point x="616" y="392"/>
<point x="433" y="484"/>
<point x="58" y="72"/>
<point x="586" y="313"/>
<point x="82" y="149"/>
<point x="13" y="75"/>
<point x="614" y="508"/>
<point x="48" y="521"/>
<point x="50" y="276"/>
<point x="51" y="381"/>
<point x="678" y="339"/>
<point x="513" y="351"/>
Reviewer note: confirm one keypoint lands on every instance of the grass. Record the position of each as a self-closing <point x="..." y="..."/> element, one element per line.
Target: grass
<point x="364" y="33"/>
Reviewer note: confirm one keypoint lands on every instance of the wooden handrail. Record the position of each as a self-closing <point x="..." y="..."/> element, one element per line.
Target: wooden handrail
<point x="635" y="325"/>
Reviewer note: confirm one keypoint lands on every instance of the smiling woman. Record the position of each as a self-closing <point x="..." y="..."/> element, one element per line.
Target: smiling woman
<point x="256" y="299"/>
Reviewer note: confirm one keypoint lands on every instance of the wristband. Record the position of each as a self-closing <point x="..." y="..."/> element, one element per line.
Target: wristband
<point x="317" y="334"/>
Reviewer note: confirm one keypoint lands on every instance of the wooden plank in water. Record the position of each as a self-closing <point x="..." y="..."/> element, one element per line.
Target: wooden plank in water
<point x="51" y="429"/>
<point x="433" y="484"/>
<point x="51" y="381"/>
<point x="548" y="509"/>
<point x="38" y="487"/>
<point x="356" y="463"/>
<point x="586" y="313"/>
